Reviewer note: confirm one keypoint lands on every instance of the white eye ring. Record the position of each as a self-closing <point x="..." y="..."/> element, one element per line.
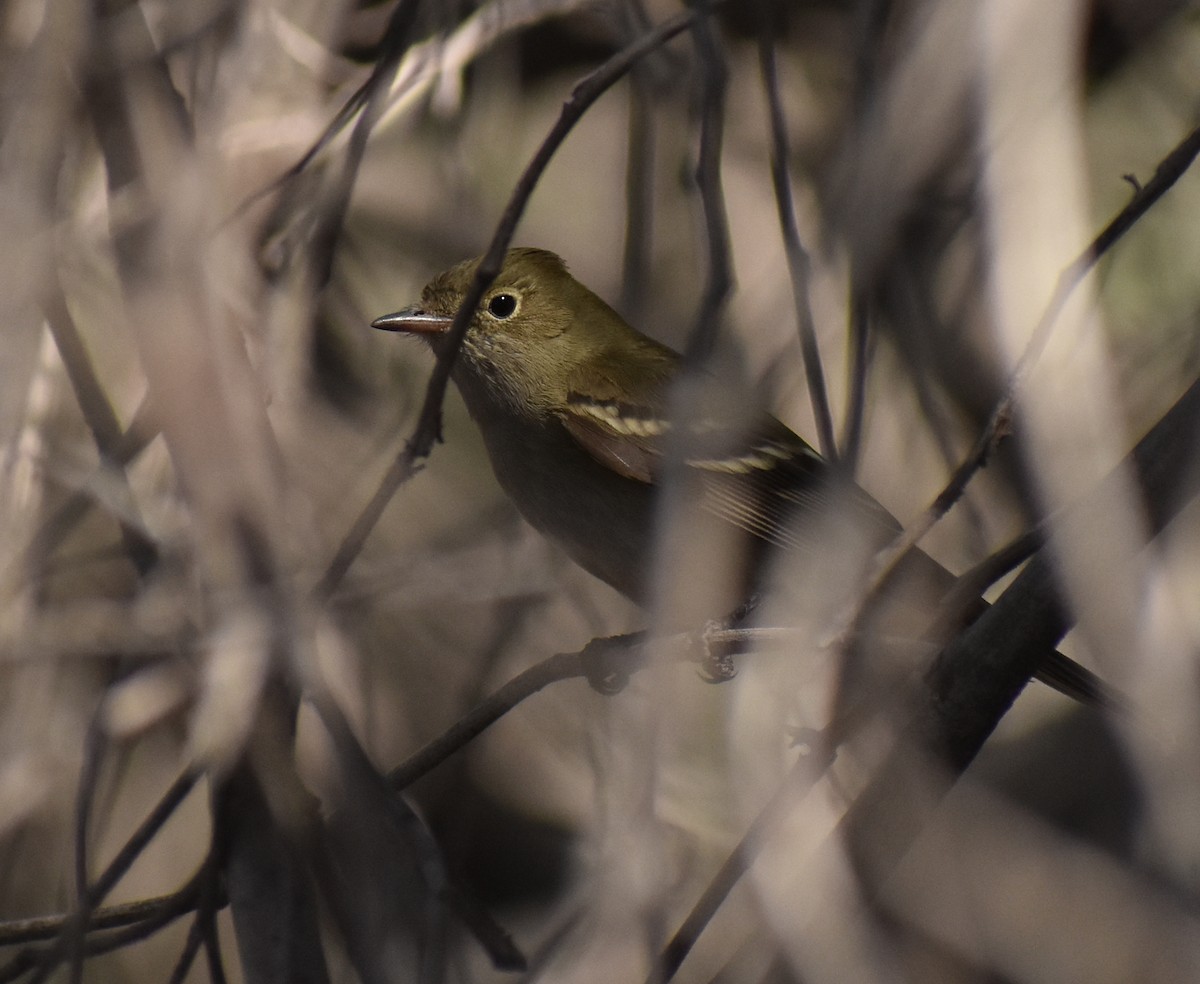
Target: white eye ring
<point x="502" y="305"/>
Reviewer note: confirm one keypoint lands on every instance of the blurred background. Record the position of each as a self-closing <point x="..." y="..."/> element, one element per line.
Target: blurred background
<point x="200" y="224"/>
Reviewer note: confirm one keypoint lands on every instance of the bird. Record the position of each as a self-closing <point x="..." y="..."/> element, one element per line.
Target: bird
<point x="574" y="406"/>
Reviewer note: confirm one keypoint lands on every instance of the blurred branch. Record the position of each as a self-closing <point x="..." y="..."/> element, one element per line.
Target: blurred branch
<point x="54" y="529"/>
<point x="187" y="955"/>
<point x="421" y="66"/>
<point x="428" y="429"/>
<point x="799" y="263"/>
<point x="141" y="837"/>
<point x="204" y="926"/>
<point x="1169" y="170"/>
<point x="373" y="96"/>
<point x="974" y="582"/>
<point x="271" y="896"/>
<point x="562" y="666"/>
<point x="804" y="773"/>
<point x="910" y="287"/>
<point x="95" y="743"/>
<point x="639" y="180"/>
<point x="713" y="79"/>
<point x="969" y="688"/>
<point x="870" y="23"/>
<point x="16" y="931"/>
<point x="975" y="679"/>
<point x="50" y="957"/>
<point x="154" y="914"/>
<point x="211" y="902"/>
<point x="101" y="420"/>
<point x="860" y="358"/>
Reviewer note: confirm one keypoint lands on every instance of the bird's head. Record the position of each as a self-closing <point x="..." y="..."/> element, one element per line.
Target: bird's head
<point x="535" y="328"/>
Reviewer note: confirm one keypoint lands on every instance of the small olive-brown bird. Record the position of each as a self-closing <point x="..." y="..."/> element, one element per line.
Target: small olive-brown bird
<point x="573" y="406"/>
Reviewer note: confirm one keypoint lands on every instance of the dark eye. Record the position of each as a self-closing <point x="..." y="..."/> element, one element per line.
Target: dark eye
<point x="502" y="306"/>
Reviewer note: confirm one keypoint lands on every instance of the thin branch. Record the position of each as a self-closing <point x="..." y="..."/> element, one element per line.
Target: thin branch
<point x="713" y="79"/>
<point x="856" y="398"/>
<point x="396" y="40"/>
<point x="393" y="45"/>
<point x="428" y="429"/>
<point x="799" y="263"/>
<point x="134" y="440"/>
<point x="803" y="775"/>
<point x="972" y="584"/>
<point x="100" y="417"/>
<point x="870" y="23"/>
<point x="367" y="814"/>
<point x="141" y="837"/>
<point x="917" y="307"/>
<point x="261" y="810"/>
<point x="53" y="955"/>
<point x="424" y="63"/>
<point x="187" y="955"/>
<point x="94" y="747"/>
<point x="17" y="931"/>
<point x="181" y="904"/>
<point x="607" y="664"/>
<point x="968" y="689"/>
<point x="639" y="198"/>
<point x="562" y="666"/>
<point x="975" y="679"/>
<point x="210" y="905"/>
<point x="131" y="923"/>
<point x="1169" y="170"/>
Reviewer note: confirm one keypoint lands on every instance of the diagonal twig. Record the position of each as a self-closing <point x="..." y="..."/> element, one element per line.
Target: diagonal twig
<point x="713" y="79"/>
<point x="799" y="263"/>
<point x="1168" y="171"/>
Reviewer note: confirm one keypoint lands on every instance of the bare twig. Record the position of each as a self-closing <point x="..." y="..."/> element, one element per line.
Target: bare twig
<point x="51" y="956"/>
<point x="639" y="199"/>
<point x="606" y="663"/>
<point x="423" y="64"/>
<point x="1169" y="170"/>
<point x="396" y="40"/>
<point x="804" y="773"/>
<point x="257" y="813"/>
<point x="969" y="688"/>
<point x="856" y="398"/>
<point x="17" y="931"/>
<point x="799" y="263"/>
<point x="145" y="832"/>
<point x="210" y="904"/>
<point x="133" y="441"/>
<point x="187" y="956"/>
<point x="563" y="666"/>
<point x="975" y="679"/>
<point x="203" y="931"/>
<point x="101" y="419"/>
<point x="973" y="583"/>
<point x="713" y="77"/>
<point x="94" y="747"/>
<point x="155" y="914"/>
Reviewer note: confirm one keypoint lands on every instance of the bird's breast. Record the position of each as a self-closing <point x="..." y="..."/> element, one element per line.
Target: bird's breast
<point x="602" y="520"/>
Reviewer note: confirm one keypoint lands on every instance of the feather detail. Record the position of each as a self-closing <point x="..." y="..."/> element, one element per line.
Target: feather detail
<point x="767" y="484"/>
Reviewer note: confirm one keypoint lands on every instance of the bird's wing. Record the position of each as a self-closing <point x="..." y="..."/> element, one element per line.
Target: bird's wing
<point x="777" y="487"/>
<point x="625" y="438"/>
<point x="764" y="479"/>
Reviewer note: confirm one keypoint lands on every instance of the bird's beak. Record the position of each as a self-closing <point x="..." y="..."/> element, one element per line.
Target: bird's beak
<point x="414" y="321"/>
